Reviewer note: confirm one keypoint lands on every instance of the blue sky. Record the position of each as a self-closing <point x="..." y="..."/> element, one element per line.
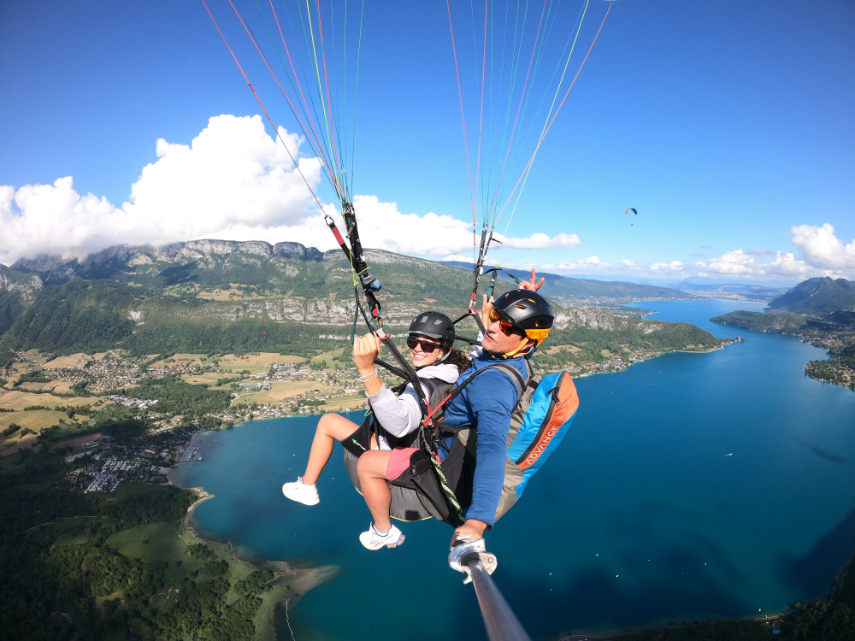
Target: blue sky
<point x="727" y="125"/>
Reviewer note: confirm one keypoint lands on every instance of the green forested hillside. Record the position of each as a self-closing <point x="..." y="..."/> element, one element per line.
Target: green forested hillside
<point x="11" y="307"/>
<point x="123" y="565"/>
<point x="79" y="315"/>
<point x="761" y="322"/>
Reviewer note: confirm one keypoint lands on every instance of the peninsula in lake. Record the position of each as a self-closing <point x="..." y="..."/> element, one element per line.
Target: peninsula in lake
<point x="821" y="311"/>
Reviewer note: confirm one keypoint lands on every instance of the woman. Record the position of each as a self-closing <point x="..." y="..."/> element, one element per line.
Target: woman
<point x="430" y="340"/>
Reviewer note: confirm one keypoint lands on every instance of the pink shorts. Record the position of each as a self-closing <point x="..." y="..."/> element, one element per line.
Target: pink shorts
<point x="399" y="460"/>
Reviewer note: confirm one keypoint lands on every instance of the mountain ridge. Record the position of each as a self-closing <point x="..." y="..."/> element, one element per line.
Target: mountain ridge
<point x="210" y="253"/>
<point x="817" y="297"/>
<point x="586" y="289"/>
<point x="234" y="296"/>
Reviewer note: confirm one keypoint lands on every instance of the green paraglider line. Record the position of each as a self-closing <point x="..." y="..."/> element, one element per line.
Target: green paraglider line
<point x="523" y="94"/>
<point x="312" y="135"/>
<point x="524" y="176"/>
<point x="261" y="104"/>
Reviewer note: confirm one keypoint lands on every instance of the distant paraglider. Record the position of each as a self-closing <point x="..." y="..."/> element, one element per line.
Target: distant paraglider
<point x="634" y="212"/>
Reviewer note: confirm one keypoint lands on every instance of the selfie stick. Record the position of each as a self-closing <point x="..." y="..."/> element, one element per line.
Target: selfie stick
<point x="499" y="620"/>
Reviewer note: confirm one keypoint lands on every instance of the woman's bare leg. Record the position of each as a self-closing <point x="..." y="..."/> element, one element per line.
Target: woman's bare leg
<point x="331" y="428"/>
<point x="372" y="478"/>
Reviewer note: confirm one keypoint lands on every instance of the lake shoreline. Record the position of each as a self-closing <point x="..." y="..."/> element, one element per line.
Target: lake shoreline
<point x="290" y="582"/>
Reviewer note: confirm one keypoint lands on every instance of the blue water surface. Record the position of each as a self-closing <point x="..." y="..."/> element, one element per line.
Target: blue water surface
<point x="691" y="485"/>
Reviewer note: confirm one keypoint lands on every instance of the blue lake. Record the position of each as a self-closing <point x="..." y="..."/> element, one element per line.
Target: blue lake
<point x="691" y="486"/>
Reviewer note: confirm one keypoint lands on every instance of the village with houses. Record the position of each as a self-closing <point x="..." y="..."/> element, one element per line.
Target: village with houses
<point x="66" y="394"/>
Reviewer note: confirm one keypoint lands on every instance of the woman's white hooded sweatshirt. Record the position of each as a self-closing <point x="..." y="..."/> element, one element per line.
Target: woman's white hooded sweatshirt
<point x="400" y="415"/>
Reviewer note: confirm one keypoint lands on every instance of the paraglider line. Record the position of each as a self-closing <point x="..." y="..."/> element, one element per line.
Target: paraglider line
<point x="319" y="152"/>
<point x="335" y="147"/>
<point x="527" y="168"/>
<point x="481" y="108"/>
<point x="261" y="104"/>
<point x="551" y="112"/>
<point x="463" y="119"/>
<point x="313" y="136"/>
<point x="324" y="106"/>
<point x="523" y="94"/>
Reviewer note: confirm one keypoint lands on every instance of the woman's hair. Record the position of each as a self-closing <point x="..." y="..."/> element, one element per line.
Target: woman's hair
<point x="459" y="359"/>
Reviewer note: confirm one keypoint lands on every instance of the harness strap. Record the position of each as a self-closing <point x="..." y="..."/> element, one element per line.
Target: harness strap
<point x="514" y="373"/>
<point x="516" y="377"/>
<point x="430" y="430"/>
<point x="397" y="371"/>
<point x="446" y="488"/>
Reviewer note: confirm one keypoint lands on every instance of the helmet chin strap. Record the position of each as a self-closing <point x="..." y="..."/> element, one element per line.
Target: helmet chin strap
<point x="524" y="344"/>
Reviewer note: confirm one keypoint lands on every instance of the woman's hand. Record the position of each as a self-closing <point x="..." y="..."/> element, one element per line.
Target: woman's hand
<point x="365" y="350"/>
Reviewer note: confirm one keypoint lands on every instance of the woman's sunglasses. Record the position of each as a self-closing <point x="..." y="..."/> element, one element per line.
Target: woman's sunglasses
<point x="505" y="325"/>
<point x="427" y="346"/>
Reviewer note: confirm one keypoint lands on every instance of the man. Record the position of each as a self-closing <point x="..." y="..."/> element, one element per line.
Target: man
<point x="515" y="325"/>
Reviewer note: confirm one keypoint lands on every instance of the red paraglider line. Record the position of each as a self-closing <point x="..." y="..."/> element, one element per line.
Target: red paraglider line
<point x="329" y="170"/>
<point x="316" y="140"/>
<point x="261" y="104"/>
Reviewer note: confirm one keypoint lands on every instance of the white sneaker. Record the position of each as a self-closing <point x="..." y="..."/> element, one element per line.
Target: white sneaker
<point x="374" y="540"/>
<point x="301" y="492"/>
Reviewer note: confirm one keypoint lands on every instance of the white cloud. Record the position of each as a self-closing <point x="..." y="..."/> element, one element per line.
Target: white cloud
<point x="541" y="241"/>
<point x="589" y="265"/>
<point x="675" y="266"/>
<point x="734" y="262"/>
<point x="823" y="254"/>
<point x="739" y="263"/>
<point x="232" y="175"/>
<point x="233" y="181"/>
<point x="382" y="225"/>
<point x="51" y="219"/>
<point x="822" y="249"/>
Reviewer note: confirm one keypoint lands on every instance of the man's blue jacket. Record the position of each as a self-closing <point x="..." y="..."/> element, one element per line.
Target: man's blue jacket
<point x="485" y="404"/>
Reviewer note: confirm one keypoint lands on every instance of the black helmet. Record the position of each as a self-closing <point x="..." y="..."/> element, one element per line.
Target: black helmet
<point x="528" y="311"/>
<point x="434" y="325"/>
